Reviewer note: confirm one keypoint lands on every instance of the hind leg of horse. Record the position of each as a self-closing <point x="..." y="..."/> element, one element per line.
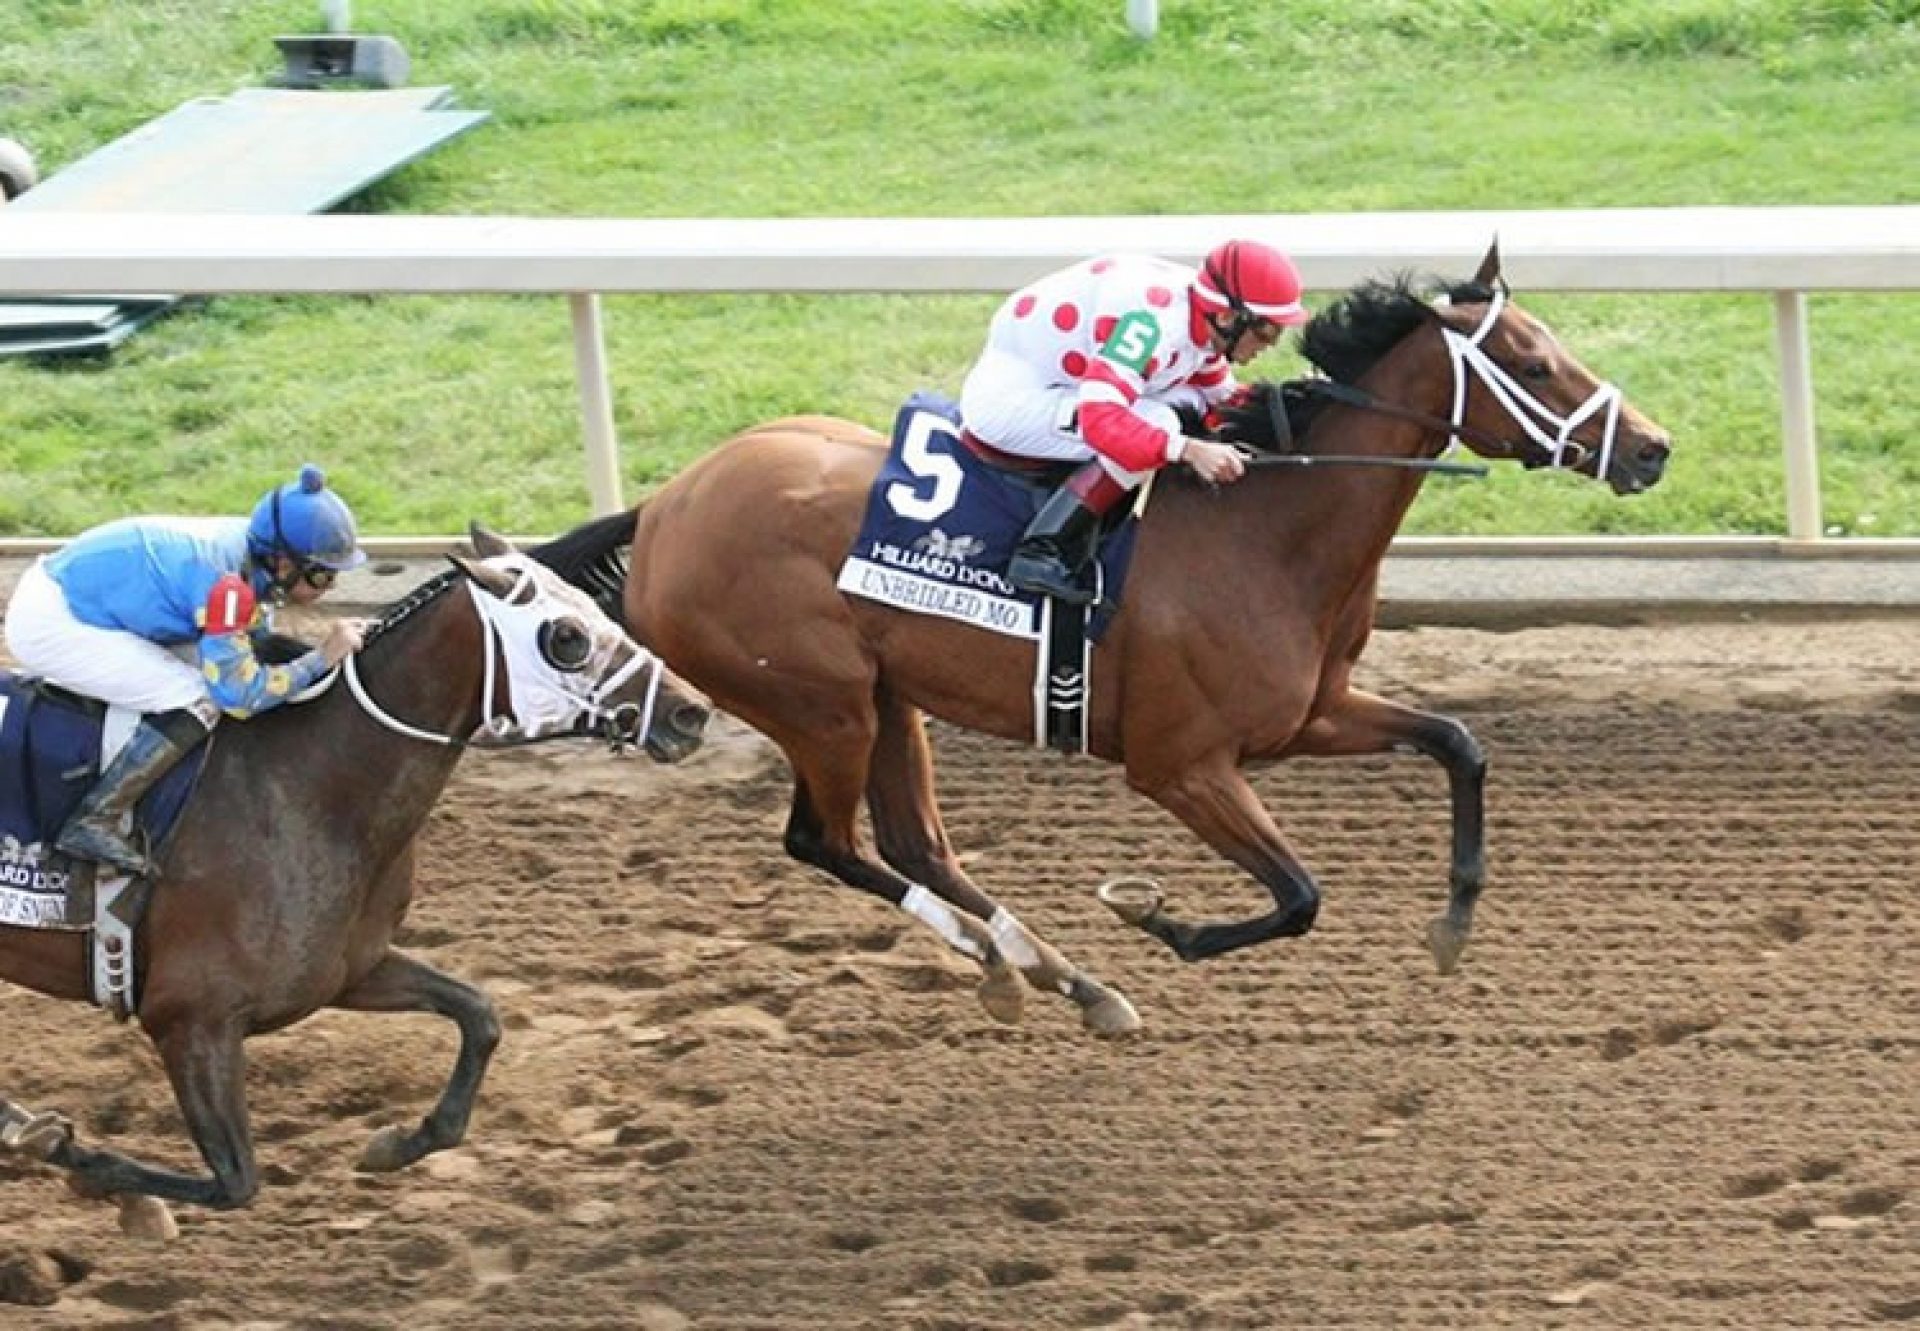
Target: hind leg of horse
<point x="398" y="983"/>
<point x="1363" y="723"/>
<point x="822" y="831"/>
<point x="1215" y="801"/>
<point x="913" y="839"/>
<point x="207" y="1066"/>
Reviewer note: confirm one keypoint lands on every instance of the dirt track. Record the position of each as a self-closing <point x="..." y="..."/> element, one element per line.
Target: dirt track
<point x="1676" y="1082"/>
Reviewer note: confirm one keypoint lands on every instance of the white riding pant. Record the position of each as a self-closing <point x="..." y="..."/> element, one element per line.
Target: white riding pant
<point x="1007" y="405"/>
<point x="112" y="665"/>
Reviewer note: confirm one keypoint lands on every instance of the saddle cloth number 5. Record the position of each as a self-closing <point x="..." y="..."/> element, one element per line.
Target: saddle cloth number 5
<point x="920" y="458"/>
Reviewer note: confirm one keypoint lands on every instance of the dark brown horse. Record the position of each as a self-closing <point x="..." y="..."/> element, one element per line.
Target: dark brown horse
<point x="1244" y="612"/>
<point x="281" y="887"/>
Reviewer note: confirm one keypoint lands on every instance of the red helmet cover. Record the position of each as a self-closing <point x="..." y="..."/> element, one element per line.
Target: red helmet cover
<point x="1256" y="278"/>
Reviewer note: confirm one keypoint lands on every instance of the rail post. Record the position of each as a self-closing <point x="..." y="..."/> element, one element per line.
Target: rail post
<point x="596" y="405"/>
<point x="1796" y="416"/>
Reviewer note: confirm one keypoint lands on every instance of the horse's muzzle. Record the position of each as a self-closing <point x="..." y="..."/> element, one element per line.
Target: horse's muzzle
<point x="1639" y="464"/>
<point x="678" y="729"/>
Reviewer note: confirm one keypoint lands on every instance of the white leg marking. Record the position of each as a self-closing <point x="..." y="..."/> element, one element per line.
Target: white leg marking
<point x="940" y="917"/>
<point x="1012" y="937"/>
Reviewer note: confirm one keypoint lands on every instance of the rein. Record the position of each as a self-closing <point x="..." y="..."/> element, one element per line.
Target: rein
<point x="386" y="718"/>
<point x="1308" y="460"/>
<point x="423" y="595"/>
<point x="1356" y="397"/>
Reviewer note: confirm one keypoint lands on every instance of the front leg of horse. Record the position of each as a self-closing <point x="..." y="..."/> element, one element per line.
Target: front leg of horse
<point x="399" y="983"/>
<point x="1103" y="1009"/>
<point x="820" y="832"/>
<point x="1009" y="952"/>
<point x="207" y="1067"/>
<point x="912" y="839"/>
<point x="1217" y="803"/>
<point x="1362" y="723"/>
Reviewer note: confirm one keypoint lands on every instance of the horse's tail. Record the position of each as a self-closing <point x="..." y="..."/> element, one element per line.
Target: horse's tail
<point x="593" y="557"/>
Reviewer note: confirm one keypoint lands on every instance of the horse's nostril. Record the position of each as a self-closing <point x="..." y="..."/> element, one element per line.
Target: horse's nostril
<point x="1654" y="452"/>
<point x="691" y="720"/>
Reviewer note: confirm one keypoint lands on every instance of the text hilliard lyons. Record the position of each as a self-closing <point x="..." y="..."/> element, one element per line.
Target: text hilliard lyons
<point x="935" y="584"/>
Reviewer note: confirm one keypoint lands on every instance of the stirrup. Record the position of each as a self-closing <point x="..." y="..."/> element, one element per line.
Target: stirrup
<point x="1048" y="576"/>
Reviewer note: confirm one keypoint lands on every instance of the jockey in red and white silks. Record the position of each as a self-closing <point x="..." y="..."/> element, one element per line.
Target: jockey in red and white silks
<point x="1092" y="363"/>
<point x="1054" y="380"/>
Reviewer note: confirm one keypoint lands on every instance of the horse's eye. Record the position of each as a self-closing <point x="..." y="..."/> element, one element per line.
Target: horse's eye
<point x="565" y="644"/>
<point x="1537" y="371"/>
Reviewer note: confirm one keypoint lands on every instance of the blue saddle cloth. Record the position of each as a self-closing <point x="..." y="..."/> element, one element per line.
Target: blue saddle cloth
<point x="49" y="758"/>
<point x="941" y="525"/>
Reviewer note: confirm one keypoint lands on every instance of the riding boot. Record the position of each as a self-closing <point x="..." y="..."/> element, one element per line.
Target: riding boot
<point x="1053" y="552"/>
<point x="99" y="829"/>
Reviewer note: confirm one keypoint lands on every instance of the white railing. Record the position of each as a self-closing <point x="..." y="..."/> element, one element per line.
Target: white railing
<point x="1783" y="252"/>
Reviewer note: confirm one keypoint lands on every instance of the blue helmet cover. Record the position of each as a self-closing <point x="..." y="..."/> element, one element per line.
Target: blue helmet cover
<point x="308" y="521"/>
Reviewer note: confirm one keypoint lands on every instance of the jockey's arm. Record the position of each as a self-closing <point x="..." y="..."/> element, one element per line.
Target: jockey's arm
<point x="1115" y="381"/>
<point x="277" y="648"/>
<point x="1113" y="429"/>
<point x="239" y="683"/>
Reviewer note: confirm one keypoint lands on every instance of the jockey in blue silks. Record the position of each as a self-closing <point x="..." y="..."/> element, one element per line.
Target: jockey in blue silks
<point x="160" y="614"/>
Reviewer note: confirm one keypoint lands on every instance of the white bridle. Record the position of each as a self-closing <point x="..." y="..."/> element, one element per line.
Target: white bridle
<point x="534" y="686"/>
<point x="1526" y="410"/>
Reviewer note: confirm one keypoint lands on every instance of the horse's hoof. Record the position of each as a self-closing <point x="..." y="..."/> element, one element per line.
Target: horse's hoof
<point x="388" y="1151"/>
<point x="36" y="1135"/>
<point x="144" y="1217"/>
<point x="1002" y="994"/>
<point x="1135" y="900"/>
<point x="1110" y="1015"/>
<point x="1446" y="942"/>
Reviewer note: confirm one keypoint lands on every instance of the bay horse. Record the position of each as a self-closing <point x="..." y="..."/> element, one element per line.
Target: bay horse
<point x="1244" y="612"/>
<point x="279" y="891"/>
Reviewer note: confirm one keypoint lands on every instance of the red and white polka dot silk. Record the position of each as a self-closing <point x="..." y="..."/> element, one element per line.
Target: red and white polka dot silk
<point x="1118" y="328"/>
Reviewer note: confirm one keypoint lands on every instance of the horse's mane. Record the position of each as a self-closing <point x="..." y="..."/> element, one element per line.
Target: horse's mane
<point x="593" y="557"/>
<point x="1348" y="337"/>
<point x="407" y="606"/>
<point x="1343" y="342"/>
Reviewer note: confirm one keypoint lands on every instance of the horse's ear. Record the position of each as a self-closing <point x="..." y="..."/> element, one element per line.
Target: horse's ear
<point x="1490" y="266"/>
<point x="498" y="581"/>
<point x="487" y="543"/>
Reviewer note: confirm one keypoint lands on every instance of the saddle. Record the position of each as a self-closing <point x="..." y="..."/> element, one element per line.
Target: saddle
<point x="943" y="518"/>
<point x="53" y="744"/>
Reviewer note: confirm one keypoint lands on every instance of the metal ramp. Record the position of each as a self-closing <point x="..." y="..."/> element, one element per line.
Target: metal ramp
<point x="267" y="151"/>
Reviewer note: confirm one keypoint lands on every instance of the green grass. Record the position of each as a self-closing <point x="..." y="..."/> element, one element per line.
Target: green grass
<point x="429" y="411"/>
